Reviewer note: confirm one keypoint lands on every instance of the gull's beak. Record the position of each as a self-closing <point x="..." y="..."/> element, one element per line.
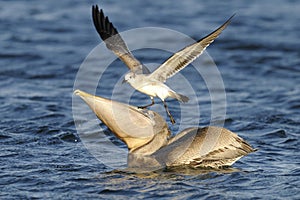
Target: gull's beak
<point x="124" y="81"/>
<point x="133" y="126"/>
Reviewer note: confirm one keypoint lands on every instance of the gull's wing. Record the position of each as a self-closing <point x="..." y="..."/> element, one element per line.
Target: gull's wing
<point x="185" y="56"/>
<point x="114" y="41"/>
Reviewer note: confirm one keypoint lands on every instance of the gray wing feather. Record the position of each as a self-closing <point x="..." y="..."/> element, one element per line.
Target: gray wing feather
<point x="184" y="57"/>
<point x="114" y="41"/>
<point x="208" y="146"/>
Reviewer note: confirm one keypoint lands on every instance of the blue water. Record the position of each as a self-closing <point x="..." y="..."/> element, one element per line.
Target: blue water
<point x="43" y="44"/>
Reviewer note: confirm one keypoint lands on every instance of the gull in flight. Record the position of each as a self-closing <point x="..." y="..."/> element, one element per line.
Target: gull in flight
<point x="139" y="76"/>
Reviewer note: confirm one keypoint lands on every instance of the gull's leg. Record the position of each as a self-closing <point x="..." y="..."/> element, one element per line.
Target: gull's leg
<point x="168" y="112"/>
<point x="152" y="103"/>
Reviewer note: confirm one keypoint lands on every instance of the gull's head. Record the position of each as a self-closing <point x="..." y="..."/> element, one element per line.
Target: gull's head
<point x="129" y="77"/>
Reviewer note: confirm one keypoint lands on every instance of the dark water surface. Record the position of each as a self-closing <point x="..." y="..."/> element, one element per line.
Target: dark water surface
<point x="43" y="44"/>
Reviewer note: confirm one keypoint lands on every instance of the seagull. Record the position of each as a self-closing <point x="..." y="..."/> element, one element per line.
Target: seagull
<point x="139" y="77"/>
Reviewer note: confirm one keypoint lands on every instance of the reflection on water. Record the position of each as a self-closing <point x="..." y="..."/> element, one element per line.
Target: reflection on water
<point x="177" y="172"/>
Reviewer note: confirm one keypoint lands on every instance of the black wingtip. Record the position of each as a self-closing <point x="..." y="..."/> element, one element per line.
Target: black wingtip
<point x="95" y="9"/>
<point x="102" y="24"/>
<point x="228" y="21"/>
<point x="230" y="18"/>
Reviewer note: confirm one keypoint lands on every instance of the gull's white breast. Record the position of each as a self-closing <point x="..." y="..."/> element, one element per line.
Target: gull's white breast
<point x="150" y="87"/>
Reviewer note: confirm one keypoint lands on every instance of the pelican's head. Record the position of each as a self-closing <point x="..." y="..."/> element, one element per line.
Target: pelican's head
<point x="136" y="127"/>
<point x="129" y="77"/>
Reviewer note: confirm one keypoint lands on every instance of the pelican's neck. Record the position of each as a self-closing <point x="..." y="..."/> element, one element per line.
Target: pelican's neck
<point x="158" y="141"/>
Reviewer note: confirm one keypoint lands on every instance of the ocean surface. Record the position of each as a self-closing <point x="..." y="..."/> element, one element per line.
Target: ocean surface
<point x="44" y="46"/>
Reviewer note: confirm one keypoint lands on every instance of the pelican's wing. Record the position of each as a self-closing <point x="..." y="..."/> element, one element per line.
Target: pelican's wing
<point x="114" y="41"/>
<point x="204" y="147"/>
<point x="185" y="56"/>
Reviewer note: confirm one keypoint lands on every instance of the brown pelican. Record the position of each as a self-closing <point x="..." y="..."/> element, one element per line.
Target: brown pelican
<point x="147" y="137"/>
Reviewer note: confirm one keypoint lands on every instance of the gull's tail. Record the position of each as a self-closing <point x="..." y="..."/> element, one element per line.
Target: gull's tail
<point x="179" y="97"/>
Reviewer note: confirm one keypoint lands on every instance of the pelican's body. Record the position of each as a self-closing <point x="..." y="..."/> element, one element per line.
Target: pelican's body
<point x="150" y="146"/>
<point x="139" y="76"/>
